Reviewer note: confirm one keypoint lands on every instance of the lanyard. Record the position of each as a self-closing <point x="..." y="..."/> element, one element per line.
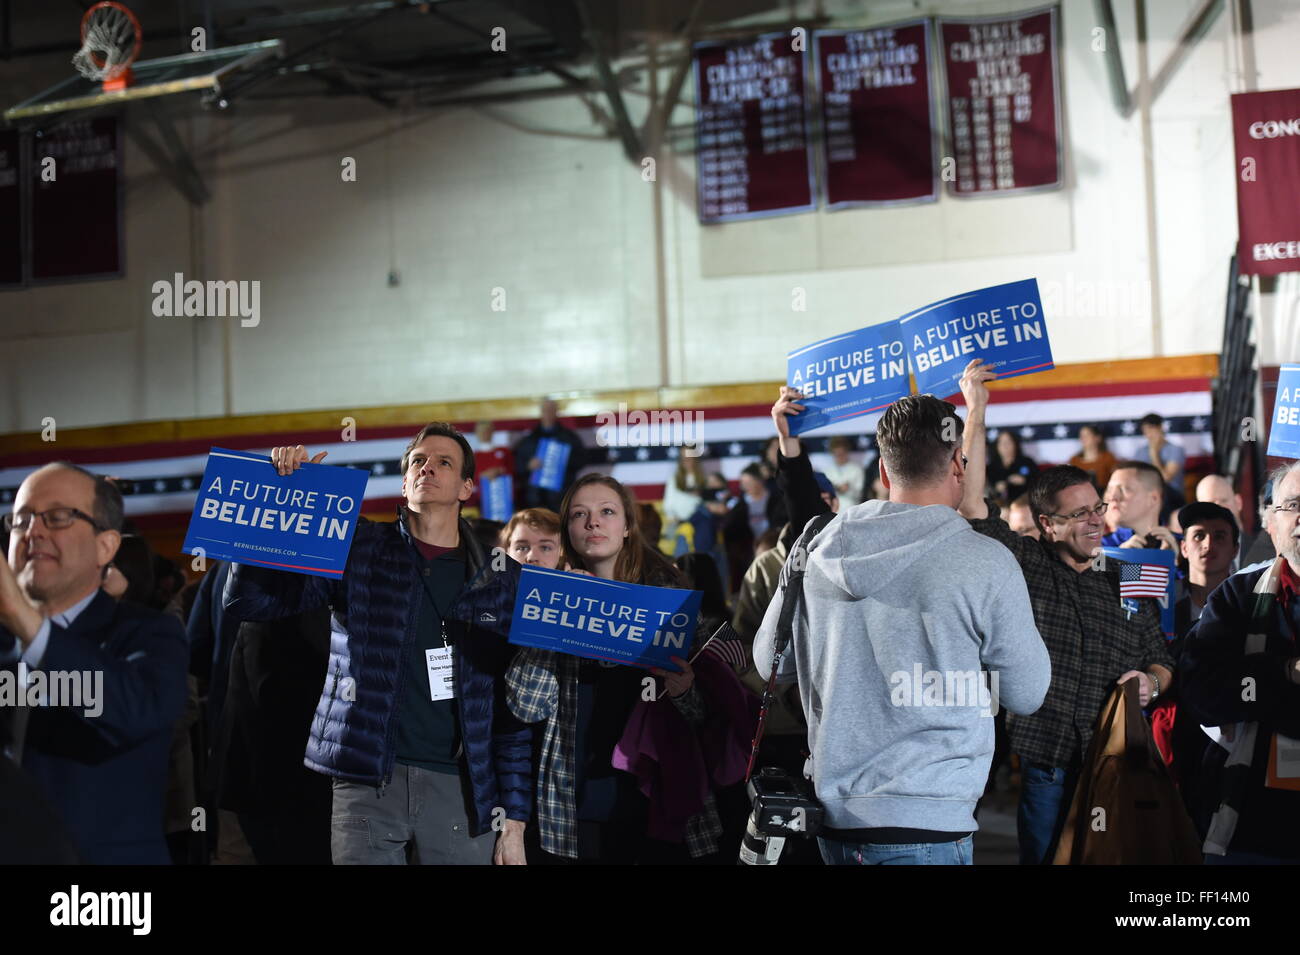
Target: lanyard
<point x="424" y="580"/>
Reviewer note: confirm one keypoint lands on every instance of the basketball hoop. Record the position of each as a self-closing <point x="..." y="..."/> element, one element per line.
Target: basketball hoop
<point x="110" y="43"/>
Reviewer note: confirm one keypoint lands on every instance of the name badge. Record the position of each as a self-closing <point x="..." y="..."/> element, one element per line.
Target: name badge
<point x="441" y="681"/>
<point x="1283" y="763"/>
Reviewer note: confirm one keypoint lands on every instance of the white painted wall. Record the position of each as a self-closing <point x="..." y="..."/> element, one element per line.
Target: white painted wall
<point x="532" y="198"/>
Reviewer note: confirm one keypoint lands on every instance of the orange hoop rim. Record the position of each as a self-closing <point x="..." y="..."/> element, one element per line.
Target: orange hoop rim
<point x="135" y="24"/>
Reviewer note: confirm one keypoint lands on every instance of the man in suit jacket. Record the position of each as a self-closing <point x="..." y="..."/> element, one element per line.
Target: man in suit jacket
<point x="97" y="683"/>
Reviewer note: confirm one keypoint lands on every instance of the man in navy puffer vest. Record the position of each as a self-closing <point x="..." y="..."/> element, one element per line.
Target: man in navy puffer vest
<point x="426" y="758"/>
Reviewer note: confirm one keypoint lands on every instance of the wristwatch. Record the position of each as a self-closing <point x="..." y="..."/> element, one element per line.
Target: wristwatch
<point x="1156" y="680"/>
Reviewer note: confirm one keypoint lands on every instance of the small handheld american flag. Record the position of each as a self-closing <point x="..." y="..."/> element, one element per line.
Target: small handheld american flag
<point x="1143" y="580"/>
<point x="727" y="646"/>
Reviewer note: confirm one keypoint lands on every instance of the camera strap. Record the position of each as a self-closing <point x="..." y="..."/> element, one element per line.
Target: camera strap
<point x="792" y="596"/>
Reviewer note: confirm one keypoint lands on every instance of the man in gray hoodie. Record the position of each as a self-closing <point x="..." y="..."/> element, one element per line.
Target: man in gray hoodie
<point x="913" y="629"/>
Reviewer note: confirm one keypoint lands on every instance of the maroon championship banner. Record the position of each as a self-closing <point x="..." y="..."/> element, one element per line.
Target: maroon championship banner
<point x="878" y="115"/>
<point x="1003" y="89"/>
<point x="11" y="220"/>
<point x="752" y="157"/>
<point x="1266" y="129"/>
<point x="76" y="206"/>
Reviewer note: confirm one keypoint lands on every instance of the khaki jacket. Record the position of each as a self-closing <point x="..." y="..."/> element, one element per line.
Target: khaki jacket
<point x="756" y="592"/>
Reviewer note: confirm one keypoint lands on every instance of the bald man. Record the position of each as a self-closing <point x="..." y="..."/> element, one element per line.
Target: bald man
<point x="1217" y="489"/>
<point x="1135" y="493"/>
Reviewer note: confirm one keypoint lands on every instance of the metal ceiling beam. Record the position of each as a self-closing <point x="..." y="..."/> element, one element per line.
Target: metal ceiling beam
<point x="1194" y="30"/>
<point x="632" y="145"/>
<point x="1198" y="24"/>
<point x="375" y="12"/>
<point x="339" y="77"/>
<point x="511" y="55"/>
<point x="1243" y="28"/>
<point x="1114" y="61"/>
<point x="473" y="99"/>
<point x="366" y="79"/>
<point x="561" y="20"/>
<point x="344" y="15"/>
<point x="660" y="110"/>
<point x="170" y="157"/>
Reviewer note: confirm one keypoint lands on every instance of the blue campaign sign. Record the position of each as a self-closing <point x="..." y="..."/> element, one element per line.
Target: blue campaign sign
<point x="555" y="458"/>
<point x="1284" y="432"/>
<point x="1002" y="325"/>
<point x="1163" y="558"/>
<point x="848" y="375"/>
<point x="247" y="512"/>
<point x="603" y="619"/>
<point x="499" y="498"/>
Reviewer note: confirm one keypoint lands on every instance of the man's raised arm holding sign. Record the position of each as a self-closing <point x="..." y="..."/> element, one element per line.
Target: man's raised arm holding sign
<point x="975" y="439"/>
<point x="441" y="727"/>
<point x="259" y="593"/>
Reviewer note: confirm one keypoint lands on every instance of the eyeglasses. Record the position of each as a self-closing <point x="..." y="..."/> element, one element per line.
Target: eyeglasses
<point x="1082" y="513"/>
<point x="55" y="519"/>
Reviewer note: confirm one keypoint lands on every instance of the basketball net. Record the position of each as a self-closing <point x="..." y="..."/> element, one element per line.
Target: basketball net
<point x="110" y="43"/>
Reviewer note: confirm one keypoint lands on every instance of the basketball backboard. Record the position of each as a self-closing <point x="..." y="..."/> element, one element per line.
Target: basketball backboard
<point x="188" y="72"/>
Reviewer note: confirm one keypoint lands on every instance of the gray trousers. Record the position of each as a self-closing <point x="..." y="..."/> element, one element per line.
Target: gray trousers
<point x="420" y="819"/>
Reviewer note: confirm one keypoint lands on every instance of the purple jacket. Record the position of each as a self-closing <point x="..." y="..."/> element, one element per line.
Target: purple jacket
<point x="676" y="768"/>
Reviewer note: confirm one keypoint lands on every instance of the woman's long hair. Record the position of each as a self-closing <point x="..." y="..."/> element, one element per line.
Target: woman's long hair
<point x="1015" y="440"/>
<point x="1101" y="438"/>
<point x="697" y="472"/>
<point x="638" y="562"/>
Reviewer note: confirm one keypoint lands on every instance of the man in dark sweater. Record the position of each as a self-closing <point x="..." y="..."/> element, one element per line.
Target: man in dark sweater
<point x="1240" y="668"/>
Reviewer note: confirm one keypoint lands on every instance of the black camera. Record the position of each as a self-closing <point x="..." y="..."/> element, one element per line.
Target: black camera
<point x="783" y="807"/>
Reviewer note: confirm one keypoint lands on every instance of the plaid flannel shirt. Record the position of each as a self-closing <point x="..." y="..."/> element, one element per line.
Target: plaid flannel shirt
<point x="543" y="685"/>
<point x="1091" y="637"/>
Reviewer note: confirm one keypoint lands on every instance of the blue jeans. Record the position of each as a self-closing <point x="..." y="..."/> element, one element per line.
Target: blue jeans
<point x="1044" y="802"/>
<point x="835" y="852"/>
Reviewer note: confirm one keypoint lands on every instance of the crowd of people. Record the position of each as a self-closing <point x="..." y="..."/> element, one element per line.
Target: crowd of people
<point x="385" y="718"/>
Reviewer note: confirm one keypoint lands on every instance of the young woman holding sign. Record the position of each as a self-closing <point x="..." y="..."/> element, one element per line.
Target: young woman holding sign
<point x="588" y="811"/>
